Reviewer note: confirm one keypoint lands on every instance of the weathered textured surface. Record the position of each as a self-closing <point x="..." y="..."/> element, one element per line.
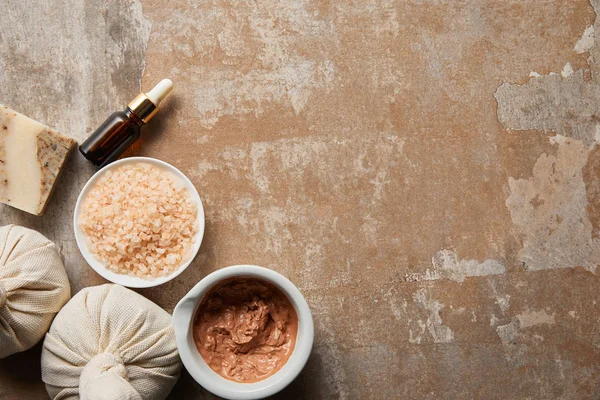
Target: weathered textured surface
<point x="437" y="206"/>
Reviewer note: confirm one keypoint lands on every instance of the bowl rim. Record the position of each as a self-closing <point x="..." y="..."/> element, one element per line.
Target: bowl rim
<point x="185" y="312"/>
<point x="126" y="280"/>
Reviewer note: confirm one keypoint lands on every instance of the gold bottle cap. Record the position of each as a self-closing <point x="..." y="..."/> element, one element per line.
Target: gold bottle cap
<point x="143" y="107"/>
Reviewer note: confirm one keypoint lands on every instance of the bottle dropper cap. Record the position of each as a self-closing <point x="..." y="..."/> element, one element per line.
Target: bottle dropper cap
<point x="145" y="105"/>
<point x="160" y="91"/>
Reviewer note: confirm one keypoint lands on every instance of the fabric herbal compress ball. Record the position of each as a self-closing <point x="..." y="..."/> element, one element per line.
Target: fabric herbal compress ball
<point x="33" y="287"/>
<point x="108" y="343"/>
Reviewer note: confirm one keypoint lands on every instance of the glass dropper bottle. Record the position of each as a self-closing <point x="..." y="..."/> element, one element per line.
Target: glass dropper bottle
<point x="122" y="128"/>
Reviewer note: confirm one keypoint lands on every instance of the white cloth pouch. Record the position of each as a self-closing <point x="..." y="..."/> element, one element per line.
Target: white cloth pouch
<point x="33" y="287"/>
<point x="110" y="343"/>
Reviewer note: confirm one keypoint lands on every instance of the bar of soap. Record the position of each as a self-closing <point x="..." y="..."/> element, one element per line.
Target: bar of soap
<point x="31" y="158"/>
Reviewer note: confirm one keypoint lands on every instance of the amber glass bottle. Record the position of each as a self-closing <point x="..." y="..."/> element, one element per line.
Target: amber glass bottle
<point x="122" y="128"/>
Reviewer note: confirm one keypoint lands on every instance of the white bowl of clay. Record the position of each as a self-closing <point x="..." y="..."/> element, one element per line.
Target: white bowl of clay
<point x="244" y="332"/>
<point x="139" y="222"/>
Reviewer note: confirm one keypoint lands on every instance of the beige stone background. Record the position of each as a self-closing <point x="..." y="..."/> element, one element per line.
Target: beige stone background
<point x="425" y="171"/>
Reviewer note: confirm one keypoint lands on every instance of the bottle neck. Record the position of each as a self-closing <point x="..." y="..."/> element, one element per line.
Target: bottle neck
<point x="142" y="107"/>
<point x="133" y="116"/>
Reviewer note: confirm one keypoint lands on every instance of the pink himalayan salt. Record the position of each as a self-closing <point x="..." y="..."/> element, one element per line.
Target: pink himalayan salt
<point x="140" y="221"/>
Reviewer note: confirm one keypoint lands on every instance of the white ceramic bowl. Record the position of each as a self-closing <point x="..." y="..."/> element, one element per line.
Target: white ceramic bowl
<point x="126" y="280"/>
<point x="183" y="318"/>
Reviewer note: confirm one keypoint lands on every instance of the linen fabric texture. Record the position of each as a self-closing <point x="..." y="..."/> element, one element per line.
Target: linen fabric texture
<point x="33" y="287"/>
<point x="110" y="343"/>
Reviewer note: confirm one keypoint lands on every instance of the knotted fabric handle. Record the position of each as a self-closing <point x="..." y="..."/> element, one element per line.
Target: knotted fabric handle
<point x="2" y="295"/>
<point x="105" y="378"/>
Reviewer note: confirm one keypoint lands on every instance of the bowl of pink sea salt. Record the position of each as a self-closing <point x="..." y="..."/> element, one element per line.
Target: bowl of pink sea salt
<point x="139" y="222"/>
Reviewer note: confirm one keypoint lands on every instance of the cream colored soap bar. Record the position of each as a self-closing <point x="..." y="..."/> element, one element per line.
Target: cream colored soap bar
<point x="31" y="158"/>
